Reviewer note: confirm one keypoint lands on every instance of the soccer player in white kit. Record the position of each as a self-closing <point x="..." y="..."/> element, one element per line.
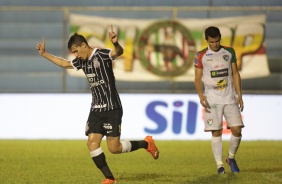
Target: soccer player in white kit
<point x="218" y="84"/>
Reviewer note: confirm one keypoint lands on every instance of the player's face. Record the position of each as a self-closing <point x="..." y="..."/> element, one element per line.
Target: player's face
<point x="79" y="51"/>
<point x="214" y="43"/>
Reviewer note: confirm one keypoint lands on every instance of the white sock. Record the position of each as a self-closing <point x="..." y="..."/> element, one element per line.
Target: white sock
<point x="233" y="146"/>
<point x="126" y="146"/>
<point x="217" y="150"/>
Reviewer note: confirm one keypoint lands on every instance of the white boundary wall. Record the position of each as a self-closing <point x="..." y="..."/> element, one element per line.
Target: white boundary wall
<point x="165" y="116"/>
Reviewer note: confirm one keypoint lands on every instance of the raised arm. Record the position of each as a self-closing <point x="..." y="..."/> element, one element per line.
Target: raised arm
<point x="118" y="51"/>
<point x="56" y="60"/>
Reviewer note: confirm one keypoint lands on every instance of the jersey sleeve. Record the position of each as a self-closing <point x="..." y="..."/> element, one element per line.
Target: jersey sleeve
<point x="77" y="63"/>
<point x="106" y="54"/>
<point x="198" y="60"/>
<point x="233" y="55"/>
<point x="234" y="59"/>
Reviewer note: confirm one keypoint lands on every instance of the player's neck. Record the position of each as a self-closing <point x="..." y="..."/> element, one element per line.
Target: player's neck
<point x="89" y="52"/>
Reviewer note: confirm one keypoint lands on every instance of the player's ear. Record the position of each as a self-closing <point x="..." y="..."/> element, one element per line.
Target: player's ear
<point x="83" y="45"/>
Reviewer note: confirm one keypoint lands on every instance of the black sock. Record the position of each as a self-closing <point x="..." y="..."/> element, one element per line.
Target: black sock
<point x="135" y="145"/>
<point x="107" y="172"/>
<point x="100" y="162"/>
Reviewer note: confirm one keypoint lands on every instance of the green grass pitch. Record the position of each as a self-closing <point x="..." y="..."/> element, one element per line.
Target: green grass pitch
<point x="180" y="162"/>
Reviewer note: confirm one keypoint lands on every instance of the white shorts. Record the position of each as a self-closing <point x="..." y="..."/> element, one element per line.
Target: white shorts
<point x="231" y="113"/>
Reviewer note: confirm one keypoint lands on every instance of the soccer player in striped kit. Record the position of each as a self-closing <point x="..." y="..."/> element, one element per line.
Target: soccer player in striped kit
<point x="106" y="112"/>
<point x="216" y="69"/>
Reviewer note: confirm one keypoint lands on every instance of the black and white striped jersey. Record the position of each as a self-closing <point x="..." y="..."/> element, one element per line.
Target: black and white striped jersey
<point x="100" y="76"/>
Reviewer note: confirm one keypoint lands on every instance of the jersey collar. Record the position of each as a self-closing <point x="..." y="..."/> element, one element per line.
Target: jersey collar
<point x="93" y="52"/>
<point x="215" y="51"/>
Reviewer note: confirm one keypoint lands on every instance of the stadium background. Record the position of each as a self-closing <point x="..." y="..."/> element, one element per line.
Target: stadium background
<point x="23" y="72"/>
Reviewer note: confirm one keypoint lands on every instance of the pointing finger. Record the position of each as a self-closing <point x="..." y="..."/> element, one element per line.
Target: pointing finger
<point x="112" y="30"/>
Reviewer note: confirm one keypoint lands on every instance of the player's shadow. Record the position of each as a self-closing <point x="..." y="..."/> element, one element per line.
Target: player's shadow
<point x="233" y="177"/>
<point x="215" y="179"/>
<point x="264" y="170"/>
<point x="149" y="177"/>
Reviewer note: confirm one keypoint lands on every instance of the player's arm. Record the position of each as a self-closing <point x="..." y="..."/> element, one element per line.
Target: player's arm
<point x="237" y="84"/>
<point x="118" y="51"/>
<point x="56" y="60"/>
<point x="199" y="87"/>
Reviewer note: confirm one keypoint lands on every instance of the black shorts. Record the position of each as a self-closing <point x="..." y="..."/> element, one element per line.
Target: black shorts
<point x="106" y="123"/>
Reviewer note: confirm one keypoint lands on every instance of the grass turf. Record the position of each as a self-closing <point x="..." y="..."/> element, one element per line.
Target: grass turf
<point x="180" y="162"/>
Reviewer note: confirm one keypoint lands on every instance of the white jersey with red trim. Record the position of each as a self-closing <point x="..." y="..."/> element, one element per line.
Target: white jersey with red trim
<point x="217" y="74"/>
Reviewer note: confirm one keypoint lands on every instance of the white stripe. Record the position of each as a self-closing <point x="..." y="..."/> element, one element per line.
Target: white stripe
<point x="96" y="152"/>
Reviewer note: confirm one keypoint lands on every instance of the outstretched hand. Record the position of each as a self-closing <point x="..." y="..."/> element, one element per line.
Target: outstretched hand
<point x="41" y="47"/>
<point x="113" y="36"/>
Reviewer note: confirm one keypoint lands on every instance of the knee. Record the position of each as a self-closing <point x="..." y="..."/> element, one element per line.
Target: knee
<point x="236" y="132"/>
<point x="114" y="149"/>
<point x="92" y="145"/>
<point x="217" y="133"/>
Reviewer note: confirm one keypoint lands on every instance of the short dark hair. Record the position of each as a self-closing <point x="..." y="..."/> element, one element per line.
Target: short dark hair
<point x="76" y="39"/>
<point x="213" y="32"/>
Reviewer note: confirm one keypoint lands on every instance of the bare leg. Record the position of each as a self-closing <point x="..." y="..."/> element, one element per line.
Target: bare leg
<point x="97" y="154"/>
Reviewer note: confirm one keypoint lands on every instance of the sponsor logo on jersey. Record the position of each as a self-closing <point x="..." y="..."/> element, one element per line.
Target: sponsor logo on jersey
<point x="91" y="75"/>
<point x="218" y="66"/>
<point x="96" y="83"/>
<point x="97" y="106"/>
<point x="209" y="54"/>
<point x="220" y="85"/>
<point x="196" y="59"/>
<point x="219" y="73"/>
